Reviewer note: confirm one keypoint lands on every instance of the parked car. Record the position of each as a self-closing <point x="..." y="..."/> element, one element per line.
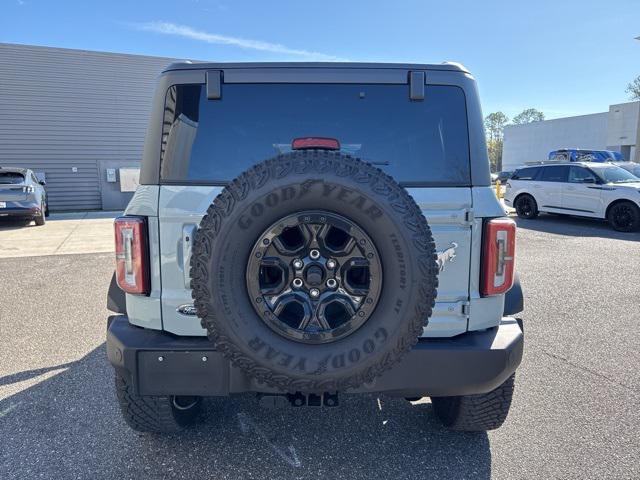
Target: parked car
<point x="597" y="190"/>
<point x="22" y="195"/>
<point x="584" y="155"/>
<point x="504" y="176"/>
<point x="261" y="254"/>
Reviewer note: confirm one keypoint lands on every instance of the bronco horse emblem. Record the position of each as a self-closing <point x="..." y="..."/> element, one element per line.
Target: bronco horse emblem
<point x="446" y="255"/>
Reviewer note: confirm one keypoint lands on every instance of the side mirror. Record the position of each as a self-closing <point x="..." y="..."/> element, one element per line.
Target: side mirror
<point x="42" y="182"/>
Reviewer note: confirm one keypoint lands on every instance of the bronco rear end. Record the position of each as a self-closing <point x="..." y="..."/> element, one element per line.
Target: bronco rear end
<point x="308" y="230"/>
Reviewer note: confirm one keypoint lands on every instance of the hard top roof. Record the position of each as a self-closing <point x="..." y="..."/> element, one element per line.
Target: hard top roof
<point x="13" y="169"/>
<point x="196" y="65"/>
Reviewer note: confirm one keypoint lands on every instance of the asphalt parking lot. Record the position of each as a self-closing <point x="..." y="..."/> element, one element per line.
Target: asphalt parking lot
<point x="574" y="414"/>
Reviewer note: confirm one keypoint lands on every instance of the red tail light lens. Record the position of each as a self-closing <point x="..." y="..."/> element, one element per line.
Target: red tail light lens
<point x="132" y="255"/>
<point x="498" y="256"/>
<point x="315" y="142"/>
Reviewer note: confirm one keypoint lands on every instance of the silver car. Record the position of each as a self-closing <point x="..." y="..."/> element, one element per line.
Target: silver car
<point x="22" y="195"/>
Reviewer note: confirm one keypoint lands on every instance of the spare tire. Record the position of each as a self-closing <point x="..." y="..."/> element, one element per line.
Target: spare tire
<point x="314" y="271"/>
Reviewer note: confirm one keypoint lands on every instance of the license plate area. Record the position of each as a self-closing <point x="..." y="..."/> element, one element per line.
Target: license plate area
<point x="182" y="373"/>
<point x="3" y="204"/>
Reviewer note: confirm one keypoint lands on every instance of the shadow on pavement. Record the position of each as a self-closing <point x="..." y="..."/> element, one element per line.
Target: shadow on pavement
<point x="7" y="224"/>
<point x="575" y="227"/>
<point x="68" y="426"/>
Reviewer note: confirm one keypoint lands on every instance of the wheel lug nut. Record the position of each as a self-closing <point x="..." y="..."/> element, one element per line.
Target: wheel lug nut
<point x="297" y="283"/>
<point x="297" y="264"/>
<point x="331" y="283"/>
<point x="314" y="254"/>
<point x="331" y="264"/>
<point x="314" y="292"/>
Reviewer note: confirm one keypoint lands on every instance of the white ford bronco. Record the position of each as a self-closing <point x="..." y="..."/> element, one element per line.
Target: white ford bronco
<point x="307" y="230"/>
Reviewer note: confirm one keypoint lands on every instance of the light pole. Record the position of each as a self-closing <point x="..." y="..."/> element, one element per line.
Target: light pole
<point x="636" y="156"/>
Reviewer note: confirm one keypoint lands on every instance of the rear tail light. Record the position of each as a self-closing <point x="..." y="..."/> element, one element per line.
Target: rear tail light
<point x="132" y="255"/>
<point x="498" y="256"/>
<point x="315" y="142"/>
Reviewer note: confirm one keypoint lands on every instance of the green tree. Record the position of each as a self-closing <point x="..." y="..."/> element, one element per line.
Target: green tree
<point x="527" y="116"/>
<point x="633" y="89"/>
<point x="494" y="126"/>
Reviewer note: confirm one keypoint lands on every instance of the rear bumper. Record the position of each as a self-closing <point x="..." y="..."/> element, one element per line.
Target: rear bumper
<point x="20" y="209"/>
<point x="159" y="363"/>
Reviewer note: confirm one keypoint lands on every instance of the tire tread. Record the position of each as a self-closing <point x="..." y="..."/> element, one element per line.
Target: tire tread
<point x="482" y="412"/>
<point x="146" y="413"/>
<point x="313" y="161"/>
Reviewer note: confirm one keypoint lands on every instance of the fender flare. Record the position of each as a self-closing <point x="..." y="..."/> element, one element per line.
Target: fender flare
<point x="514" y="299"/>
<point x="116" y="300"/>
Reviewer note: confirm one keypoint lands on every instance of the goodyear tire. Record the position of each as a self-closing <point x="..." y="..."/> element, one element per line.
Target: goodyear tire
<point x="336" y="241"/>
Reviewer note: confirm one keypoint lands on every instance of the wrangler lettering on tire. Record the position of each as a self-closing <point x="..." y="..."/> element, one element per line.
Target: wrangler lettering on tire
<point x="314" y="271"/>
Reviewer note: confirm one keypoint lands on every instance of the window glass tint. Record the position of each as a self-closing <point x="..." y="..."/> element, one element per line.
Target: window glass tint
<point x="526" y="173"/>
<point x="11" y="177"/>
<point x="615" y="175"/>
<point x="555" y="174"/>
<point x="415" y="142"/>
<point x="580" y="175"/>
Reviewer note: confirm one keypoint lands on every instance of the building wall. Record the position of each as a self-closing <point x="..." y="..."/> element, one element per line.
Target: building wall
<point x="533" y="141"/>
<point x="63" y="110"/>
<point x="623" y="128"/>
<point x="618" y="129"/>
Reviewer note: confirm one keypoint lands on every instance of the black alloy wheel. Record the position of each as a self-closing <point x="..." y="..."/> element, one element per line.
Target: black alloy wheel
<point x="624" y="217"/>
<point x="314" y="277"/>
<point x="526" y="207"/>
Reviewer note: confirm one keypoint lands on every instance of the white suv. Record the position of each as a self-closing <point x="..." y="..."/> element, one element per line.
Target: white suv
<point x="598" y="190"/>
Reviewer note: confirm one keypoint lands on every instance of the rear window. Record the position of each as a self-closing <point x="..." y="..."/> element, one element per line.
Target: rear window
<point x="11" y="177"/>
<point x="213" y="141"/>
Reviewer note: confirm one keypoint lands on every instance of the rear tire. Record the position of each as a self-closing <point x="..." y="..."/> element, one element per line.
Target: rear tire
<point x="157" y="414"/>
<point x="473" y="413"/>
<point x="40" y="219"/>
<point x="526" y="206"/>
<point x="624" y="217"/>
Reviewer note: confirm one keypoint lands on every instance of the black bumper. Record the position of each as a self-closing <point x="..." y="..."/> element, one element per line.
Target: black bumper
<point x="20" y="212"/>
<point x="159" y="363"/>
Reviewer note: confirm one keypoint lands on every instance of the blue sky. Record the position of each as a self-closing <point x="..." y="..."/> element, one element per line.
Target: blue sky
<point x="562" y="57"/>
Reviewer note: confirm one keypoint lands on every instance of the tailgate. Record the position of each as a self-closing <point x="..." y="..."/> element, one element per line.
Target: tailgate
<point x="447" y="210"/>
<point x="12" y="193"/>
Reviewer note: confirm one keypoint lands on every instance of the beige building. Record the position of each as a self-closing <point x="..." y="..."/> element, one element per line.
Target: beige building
<point x="618" y="130"/>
